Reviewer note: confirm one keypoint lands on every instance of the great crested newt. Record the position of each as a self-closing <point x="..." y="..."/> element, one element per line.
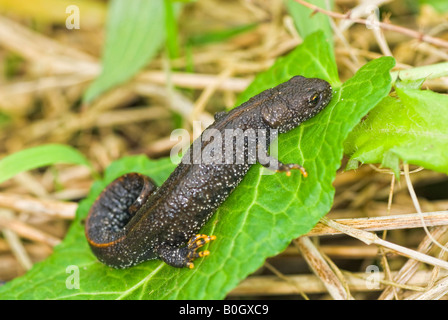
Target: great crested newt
<point x="133" y="221"/>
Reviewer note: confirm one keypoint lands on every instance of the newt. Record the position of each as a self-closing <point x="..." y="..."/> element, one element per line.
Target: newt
<point x="133" y="220"/>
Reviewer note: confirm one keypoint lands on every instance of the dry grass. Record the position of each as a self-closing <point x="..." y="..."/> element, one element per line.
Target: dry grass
<point x="51" y="68"/>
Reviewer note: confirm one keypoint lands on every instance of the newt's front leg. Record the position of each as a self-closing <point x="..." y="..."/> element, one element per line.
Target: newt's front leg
<point x="276" y="165"/>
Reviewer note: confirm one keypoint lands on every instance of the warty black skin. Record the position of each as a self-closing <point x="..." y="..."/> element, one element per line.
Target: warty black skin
<point x="132" y="221"/>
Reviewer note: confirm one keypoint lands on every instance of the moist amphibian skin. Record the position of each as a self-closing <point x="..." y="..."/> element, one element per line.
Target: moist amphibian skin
<point x="133" y="221"/>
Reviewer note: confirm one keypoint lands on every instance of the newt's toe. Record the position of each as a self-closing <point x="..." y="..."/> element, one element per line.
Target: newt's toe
<point x="194" y="244"/>
<point x="183" y="257"/>
<point x="288" y="167"/>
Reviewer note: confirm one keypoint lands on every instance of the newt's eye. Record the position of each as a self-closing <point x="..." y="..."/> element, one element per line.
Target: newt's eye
<point x="314" y="100"/>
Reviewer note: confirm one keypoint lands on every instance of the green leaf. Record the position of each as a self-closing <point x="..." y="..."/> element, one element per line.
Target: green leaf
<point x="172" y="32"/>
<point x="409" y="84"/>
<point x="439" y="5"/>
<point x="38" y="157"/>
<point x="135" y="32"/>
<point x="219" y="36"/>
<point x="258" y="220"/>
<point x="410" y="127"/>
<point x="307" y="22"/>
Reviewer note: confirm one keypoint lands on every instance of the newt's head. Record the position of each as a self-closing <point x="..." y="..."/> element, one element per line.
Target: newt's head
<point x="296" y="101"/>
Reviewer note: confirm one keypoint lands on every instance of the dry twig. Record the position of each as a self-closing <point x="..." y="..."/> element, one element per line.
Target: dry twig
<point x="322" y="269"/>
<point x="371" y="238"/>
<point x="386" y="26"/>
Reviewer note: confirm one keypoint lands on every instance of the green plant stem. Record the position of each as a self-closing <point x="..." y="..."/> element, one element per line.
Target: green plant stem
<point x="429" y="72"/>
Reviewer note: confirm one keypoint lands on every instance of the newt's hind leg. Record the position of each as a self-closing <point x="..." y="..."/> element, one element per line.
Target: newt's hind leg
<point x="183" y="257"/>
